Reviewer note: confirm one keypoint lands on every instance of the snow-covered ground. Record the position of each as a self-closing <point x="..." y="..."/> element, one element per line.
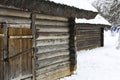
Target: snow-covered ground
<point x="100" y="63"/>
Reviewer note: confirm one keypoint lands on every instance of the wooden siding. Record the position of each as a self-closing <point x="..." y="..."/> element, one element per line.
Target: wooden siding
<point x="89" y="36"/>
<point x="47" y="40"/>
<point x="52" y="48"/>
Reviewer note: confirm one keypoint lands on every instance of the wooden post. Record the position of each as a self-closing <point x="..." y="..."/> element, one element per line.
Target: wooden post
<point x="33" y="17"/>
<point x="72" y="43"/>
<point x="102" y="37"/>
<point x="6" y="54"/>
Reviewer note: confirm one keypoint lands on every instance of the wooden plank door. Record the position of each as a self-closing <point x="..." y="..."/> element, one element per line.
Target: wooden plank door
<point x="1" y="53"/>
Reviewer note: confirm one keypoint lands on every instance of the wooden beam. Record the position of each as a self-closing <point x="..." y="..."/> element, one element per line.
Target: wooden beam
<point x="6" y="54"/>
<point x="72" y="44"/>
<point x="102" y="37"/>
<point x="14" y="13"/>
<point x="33" y="17"/>
<point x="47" y="17"/>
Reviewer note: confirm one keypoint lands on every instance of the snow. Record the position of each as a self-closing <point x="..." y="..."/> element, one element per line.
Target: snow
<point x="97" y="20"/>
<point x="98" y="64"/>
<point x="81" y="4"/>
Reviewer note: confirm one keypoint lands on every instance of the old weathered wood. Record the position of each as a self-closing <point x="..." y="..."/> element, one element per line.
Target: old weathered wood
<point x="21" y="37"/>
<point x="52" y="29"/>
<point x="6" y="55"/>
<point x="72" y="43"/>
<point x="52" y="42"/>
<point x="1" y="53"/>
<point x="55" y="73"/>
<point x="47" y="17"/>
<point x="14" y="20"/>
<point x="14" y="12"/>
<point x="52" y="37"/>
<point x="102" y="37"/>
<point x="52" y="54"/>
<point x="43" y="49"/>
<point x="52" y="23"/>
<point x="33" y="26"/>
<point x="50" y="61"/>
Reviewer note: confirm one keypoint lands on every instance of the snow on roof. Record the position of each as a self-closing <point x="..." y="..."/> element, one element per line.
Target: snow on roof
<point x="81" y="4"/>
<point x="97" y="20"/>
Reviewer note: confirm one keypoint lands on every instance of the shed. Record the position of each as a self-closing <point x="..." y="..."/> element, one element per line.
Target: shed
<point x="37" y="39"/>
<point x="90" y="33"/>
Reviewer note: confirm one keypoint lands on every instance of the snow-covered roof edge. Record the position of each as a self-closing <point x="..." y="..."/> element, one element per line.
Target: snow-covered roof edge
<point x="81" y="4"/>
<point x="97" y="20"/>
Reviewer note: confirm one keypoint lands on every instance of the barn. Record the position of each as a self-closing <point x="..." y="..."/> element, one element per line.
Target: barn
<point x="37" y="39"/>
<point x="90" y="33"/>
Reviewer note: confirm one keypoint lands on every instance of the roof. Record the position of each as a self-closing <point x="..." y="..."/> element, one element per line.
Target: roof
<point x="81" y="4"/>
<point x="48" y="7"/>
<point x="97" y="20"/>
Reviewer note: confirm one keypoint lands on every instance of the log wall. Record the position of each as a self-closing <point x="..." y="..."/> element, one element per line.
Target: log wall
<point x="39" y="47"/>
<point x="89" y="36"/>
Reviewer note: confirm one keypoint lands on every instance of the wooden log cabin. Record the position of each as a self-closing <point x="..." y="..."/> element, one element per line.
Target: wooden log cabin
<point x="90" y="33"/>
<point x="37" y="39"/>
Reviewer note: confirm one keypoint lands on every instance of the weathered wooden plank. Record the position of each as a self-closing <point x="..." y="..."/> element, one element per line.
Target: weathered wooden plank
<point x="86" y="28"/>
<point x="52" y="23"/>
<point x="52" y="37"/>
<point x="47" y="17"/>
<point x="20" y="26"/>
<point x="14" y="12"/>
<point x="87" y="47"/>
<point x="51" y="61"/>
<point x="15" y="20"/>
<point x="52" y="29"/>
<point x="88" y="32"/>
<point x="54" y="75"/>
<point x="49" y="70"/>
<point x="87" y="37"/>
<point x="20" y="32"/>
<point x="51" y="48"/>
<point x="52" y="34"/>
<point x="51" y="67"/>
<point x="20" y="37"/>
<point x="33" y="26"/>
<point x="52" y="54"/>
<point x="1" y="35"/>
<point x="6" y="55"/>
<point x="52" y="42"/>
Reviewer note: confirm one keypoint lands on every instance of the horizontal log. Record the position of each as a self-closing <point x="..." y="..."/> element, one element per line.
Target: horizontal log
<point x="55" y="72"/>
<point x="14" y="12"/>
<point x="47" y="17"/>
<point x="87" y="37"/>
<point x="87" y="40"/>
<point x="15" y="20"/>
<point x="51" y="67"/>
<point x="51" y="48"/>
<point x="52" y="42"/>
<point x="88" y="32"/>
<point x="52" y="23"/>
<point x="50" y="61"/>
<point x="52" y="54"/>
<point x="20" y="37"/>
<point x="1" y="35"/>
<point x="87" y="47"/>
<point x="86" y="28"/>
<point x="52" y="29"/>
<point x="52" y="34"/>
<point x="20" y="25"/>
<point x="52" y="37"/>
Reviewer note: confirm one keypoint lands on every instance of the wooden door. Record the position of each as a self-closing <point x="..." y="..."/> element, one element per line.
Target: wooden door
<point x="1" y="52"/>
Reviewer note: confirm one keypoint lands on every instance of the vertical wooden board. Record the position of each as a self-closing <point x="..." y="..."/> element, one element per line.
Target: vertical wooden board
<point x="14" y="63"/>
<point x="26" y="61"/>
<point x="1" y="58"/>
<point x="1" y="30"/>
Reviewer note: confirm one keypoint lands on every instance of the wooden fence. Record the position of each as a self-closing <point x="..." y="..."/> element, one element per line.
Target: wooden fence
<point x="36" y="46"/>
